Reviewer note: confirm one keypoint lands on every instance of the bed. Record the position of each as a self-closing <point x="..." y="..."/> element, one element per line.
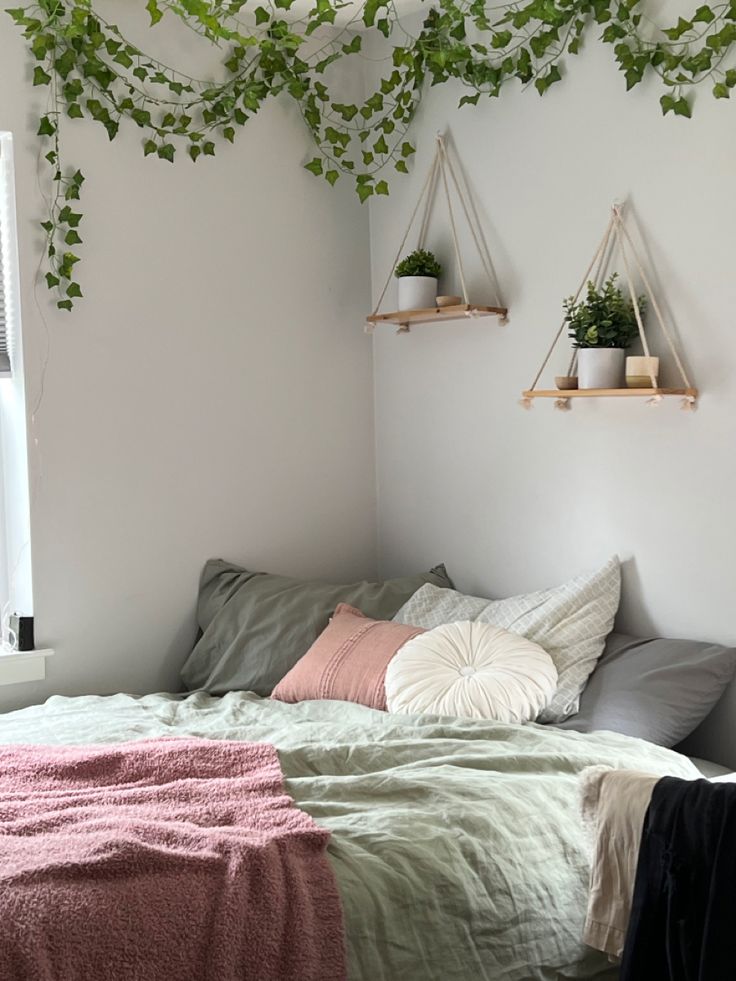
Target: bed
<point x="457" y="846"/>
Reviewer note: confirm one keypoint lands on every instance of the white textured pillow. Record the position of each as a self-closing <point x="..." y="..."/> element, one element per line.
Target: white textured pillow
<point x="571" y="622"/>
<point x="471" y="670"/>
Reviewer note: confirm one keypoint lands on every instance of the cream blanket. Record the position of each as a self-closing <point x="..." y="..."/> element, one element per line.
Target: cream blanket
<point x="614" y="804"/>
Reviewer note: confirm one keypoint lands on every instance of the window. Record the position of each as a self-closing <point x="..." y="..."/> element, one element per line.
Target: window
<point x="15" y="557"/>
<point x="5" y="257"/>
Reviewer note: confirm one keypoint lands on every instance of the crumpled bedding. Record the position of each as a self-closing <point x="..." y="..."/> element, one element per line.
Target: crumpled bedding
<point x="457" y="845"/>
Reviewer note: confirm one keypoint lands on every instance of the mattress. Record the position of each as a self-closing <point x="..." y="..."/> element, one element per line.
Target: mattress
<point x="708" y="769"/>
<point x="457" y="845"/>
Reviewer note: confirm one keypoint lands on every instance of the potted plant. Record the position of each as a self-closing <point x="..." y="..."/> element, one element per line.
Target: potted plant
<point x="602" y="327"/>
<point x="417" y="275"/>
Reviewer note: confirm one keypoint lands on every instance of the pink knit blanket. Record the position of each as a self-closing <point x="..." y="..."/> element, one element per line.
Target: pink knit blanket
<point x="161" y="860"/>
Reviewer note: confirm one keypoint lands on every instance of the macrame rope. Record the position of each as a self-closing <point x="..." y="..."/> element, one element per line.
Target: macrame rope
<point x="599" y="251"/>
<point x="414" y="213"/>
<point x="655" y="305"/>
<point x="632" y="294"/>
<point x="451" y="214"/>
<point x="603" y="263"/>
<point x="476" y="229"/>
<point x="607" y="253"/>
<point x="430" y="201"/>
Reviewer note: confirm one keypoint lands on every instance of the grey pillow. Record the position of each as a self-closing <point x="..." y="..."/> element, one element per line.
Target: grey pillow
<point x="658" y="689"/>
<point x="255" y="626"/>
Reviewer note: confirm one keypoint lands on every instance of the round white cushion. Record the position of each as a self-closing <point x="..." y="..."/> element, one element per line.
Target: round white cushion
<point x="473" y="670"/>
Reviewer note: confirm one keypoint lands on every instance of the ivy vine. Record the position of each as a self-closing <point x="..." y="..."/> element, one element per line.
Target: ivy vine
<point x="91" y="70"/>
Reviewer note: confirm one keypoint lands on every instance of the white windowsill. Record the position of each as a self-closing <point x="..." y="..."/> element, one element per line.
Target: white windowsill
<point x="17" y="667"/>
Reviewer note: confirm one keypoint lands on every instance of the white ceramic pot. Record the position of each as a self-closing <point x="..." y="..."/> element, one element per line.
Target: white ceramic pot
<point x="639" y="371"/>
<point x="417" y="292"/>
<point x="601" y="367"/>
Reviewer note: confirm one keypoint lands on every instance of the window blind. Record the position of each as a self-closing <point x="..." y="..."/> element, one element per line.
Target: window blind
<point x="5" y="266"/>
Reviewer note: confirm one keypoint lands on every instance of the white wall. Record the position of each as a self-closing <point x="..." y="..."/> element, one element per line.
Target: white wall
<point x="211" y="395"/>
<point x="516" y="500"/>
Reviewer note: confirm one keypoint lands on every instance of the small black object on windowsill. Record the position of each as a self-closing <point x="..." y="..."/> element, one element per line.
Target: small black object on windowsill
<point x="20" y="632"/>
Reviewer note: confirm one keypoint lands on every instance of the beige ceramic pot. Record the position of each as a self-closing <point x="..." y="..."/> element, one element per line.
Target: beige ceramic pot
<point x="639" y="371"/>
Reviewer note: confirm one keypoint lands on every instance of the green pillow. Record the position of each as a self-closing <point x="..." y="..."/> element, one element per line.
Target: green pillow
<point x="255" y="626"/>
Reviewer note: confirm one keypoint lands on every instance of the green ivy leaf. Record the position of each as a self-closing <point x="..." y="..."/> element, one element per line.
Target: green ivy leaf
<point x="40" y="77"/>
<point x="65" y="305"/>
<point x="545" y="81"/>
<point x="73" y="289"/>
<point x="166" y="152"/>
<point x="51" y="280"/>
<point x="149" y="147"/>
<point x="370" y="9"/>
<point x="469" y="100"/>
<point x="721" y="91"/>
<point x="46" y="127"/>
<point x="154" y="10"/>
<point x="74" y="111"/>
<point x="314" y="167"/>
<point x="72" y="237"/>
<point x="347" y="112"/>
<point x="381" y="146"/>
<point x="69" y="217"/>
<point x="140" y="116"/>
<point x="382" y="187"/>
<point x="331" y="177"/>
<point x="65" y="63"/>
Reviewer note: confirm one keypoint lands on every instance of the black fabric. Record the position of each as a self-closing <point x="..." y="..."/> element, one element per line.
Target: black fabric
<point x="683" y="917"/>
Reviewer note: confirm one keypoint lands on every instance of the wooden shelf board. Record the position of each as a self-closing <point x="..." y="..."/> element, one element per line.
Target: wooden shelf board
<point x="598" y="393"/>
<point x="431" y="315"/>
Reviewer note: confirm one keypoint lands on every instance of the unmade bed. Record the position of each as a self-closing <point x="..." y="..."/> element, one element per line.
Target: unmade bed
<point x="457" y="845"/>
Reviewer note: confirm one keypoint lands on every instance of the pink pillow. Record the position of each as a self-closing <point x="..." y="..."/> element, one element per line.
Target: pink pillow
<point x="347" y="661"/>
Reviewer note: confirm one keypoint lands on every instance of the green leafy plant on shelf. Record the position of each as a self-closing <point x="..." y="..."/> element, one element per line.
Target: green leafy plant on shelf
<point x="421" y="262"/>
<point x="89" y="69"/>
<point x="605" y="318"/>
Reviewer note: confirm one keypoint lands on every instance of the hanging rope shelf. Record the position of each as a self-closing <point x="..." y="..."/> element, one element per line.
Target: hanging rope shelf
<point x="617" y="234"/>
<point x="441" y="169"/>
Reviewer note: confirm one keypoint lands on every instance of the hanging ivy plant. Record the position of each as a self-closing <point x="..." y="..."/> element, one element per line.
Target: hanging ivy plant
<point x="93" y="71"/>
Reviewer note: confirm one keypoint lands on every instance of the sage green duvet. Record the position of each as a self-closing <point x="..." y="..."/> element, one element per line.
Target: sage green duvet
<point x="457" y="845"/>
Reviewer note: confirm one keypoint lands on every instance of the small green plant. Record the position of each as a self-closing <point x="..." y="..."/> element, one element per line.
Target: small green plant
<point x="604" y="318"/>
<point x="421" y="262"/>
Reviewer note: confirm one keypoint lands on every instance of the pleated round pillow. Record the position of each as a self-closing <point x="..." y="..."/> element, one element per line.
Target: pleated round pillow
<point x="472" y="670"/>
